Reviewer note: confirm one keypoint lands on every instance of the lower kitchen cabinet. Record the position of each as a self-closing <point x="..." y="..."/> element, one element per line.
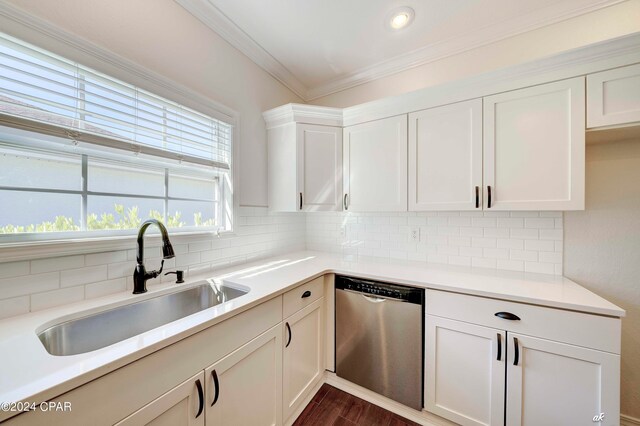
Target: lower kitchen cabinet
<point x="551" y="383"/>
<point x="303" y="358"/>
<point x="498" y="362"/>
<point x="181" y="406"/>
<point x="245" y="387"/>
<point x="464" y="375"/>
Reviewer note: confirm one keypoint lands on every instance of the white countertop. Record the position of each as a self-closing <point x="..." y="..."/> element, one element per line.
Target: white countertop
<point x="29" y="373"/>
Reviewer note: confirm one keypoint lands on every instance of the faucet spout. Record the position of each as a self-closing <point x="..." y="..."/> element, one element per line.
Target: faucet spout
<point x="140" y="275"/>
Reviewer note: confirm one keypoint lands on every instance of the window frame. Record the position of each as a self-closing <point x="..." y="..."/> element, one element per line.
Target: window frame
<point x="85" y="193"/>
<point x="115" y="66"/>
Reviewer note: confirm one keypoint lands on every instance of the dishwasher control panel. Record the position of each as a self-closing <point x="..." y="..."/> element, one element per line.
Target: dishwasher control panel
<point x="380" y="289"/>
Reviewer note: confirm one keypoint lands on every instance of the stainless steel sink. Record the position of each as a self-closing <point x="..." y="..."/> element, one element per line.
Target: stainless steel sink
<point x="105" y="328"/>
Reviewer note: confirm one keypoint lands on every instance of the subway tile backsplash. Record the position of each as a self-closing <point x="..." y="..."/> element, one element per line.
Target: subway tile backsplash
<point x="516" y="241"/>
<point x="28" y="286"/>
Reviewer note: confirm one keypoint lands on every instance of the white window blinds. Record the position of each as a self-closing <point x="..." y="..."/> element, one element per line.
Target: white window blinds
<point x="44" y="92"/>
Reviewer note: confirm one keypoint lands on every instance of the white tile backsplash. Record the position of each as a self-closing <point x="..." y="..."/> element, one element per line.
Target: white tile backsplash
<point x="516" y="241"/>
<point x="28" y="286"/>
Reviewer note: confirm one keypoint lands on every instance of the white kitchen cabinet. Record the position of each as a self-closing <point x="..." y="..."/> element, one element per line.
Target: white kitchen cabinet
<point x="303" y="359"/>
<point x="567" y="374"/>
<point x="375" y="166"/>
<point x="534" y="147"/>
<point x="181" y="406"/>
<point x="464" y="374"/>
<point x="245" y="387"/>
<point x="613" y="97"/>
<point x="551" y="383"/>
<point x="445" y="157"/>
<point x="305" y="167"/>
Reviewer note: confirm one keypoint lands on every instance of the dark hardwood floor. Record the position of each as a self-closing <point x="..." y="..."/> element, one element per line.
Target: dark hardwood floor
<point x="331" y="406"/>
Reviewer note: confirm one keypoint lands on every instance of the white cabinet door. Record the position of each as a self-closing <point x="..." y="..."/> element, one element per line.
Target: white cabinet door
<point x="375" y="166"/>
<point x="613" y="97"/>
<point x="534" y="147"/>
<point x="445" y="157"/>
<point x="464" y="372"/>
<point x="303" y="354"/>
<point x="319" y="167"/>
<point x="551" y="383"/>
<point x="181" y="406"/>
<point x="245" y="387"/>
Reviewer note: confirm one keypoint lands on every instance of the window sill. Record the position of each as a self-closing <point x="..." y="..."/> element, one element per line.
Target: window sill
<point x="29" y="250"/>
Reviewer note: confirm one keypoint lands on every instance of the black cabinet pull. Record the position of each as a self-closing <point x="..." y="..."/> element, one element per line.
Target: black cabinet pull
<point x="489" y="196"/>
<point x="344" y="202"/>
<point x="499" y="346"/>
<point x="306" y="294"/>
<point x="516" y="353"/>
<point x="507" y="316"/>
<point x="289" y="331"/>
<point x="216" y="386"/>
<point x="301" y="201"/>
<point x="200" y="398"/>
<point x="477" y="197"/>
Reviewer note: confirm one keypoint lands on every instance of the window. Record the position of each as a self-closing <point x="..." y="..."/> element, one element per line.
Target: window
<point x="81" y="152"/>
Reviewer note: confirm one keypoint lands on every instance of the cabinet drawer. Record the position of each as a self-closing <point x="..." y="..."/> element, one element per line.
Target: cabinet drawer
<point x="587" y="330"/>
<point x="302" y="296"/>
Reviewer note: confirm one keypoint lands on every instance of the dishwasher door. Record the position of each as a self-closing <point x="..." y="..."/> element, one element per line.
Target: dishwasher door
<point x="379" y="345"/>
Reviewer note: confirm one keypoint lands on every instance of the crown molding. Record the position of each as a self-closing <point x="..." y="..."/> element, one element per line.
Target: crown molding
<point x="15" y="21"/>
<point x="584" y="60"/>
<point x="300" y="113"/>
<point x="212" y="17"/>
<point x="550" y="15"/>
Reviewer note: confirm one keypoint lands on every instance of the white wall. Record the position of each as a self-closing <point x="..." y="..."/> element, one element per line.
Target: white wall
<point x="602" y="248"/>
<point x="163" y="37"/>
<point x="614" y="21"/>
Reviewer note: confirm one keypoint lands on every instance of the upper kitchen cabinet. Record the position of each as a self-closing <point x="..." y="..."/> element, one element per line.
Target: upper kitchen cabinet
<point x="375" y="166"/>
<point x="305" y="163"/>
<point x="613" y="97"/>
<point x="534" y="147"/>
<point x="445" y="157"/>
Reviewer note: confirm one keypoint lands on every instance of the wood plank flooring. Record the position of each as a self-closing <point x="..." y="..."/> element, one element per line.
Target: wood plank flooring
<point x="331" y="406"/>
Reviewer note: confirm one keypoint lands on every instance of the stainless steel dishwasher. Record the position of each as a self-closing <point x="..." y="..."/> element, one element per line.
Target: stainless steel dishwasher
<point x="379" y="338"/>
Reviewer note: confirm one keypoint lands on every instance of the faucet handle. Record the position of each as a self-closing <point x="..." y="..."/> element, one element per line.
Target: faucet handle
<point x="179" y="276"/>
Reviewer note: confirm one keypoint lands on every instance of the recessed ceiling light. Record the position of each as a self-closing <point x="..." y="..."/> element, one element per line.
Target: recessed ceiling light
<point x="401" y="18"/>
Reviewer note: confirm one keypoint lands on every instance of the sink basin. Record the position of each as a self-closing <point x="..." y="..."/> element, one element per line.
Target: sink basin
<point x="105" y="328"/>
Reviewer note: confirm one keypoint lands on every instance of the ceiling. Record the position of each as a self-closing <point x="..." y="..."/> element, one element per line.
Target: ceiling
<point x="318" y="47"/>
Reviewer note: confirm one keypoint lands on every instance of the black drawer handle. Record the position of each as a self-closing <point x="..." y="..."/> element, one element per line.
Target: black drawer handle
<point x="516" y="353"/>
<point x="507" y="316"/>
<point x="216" y="386"/>
<point x="306" y="294"/>
<point x="289" y="330"/>
<point x="200" y="398"/>
<point x="499" y="346"/>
